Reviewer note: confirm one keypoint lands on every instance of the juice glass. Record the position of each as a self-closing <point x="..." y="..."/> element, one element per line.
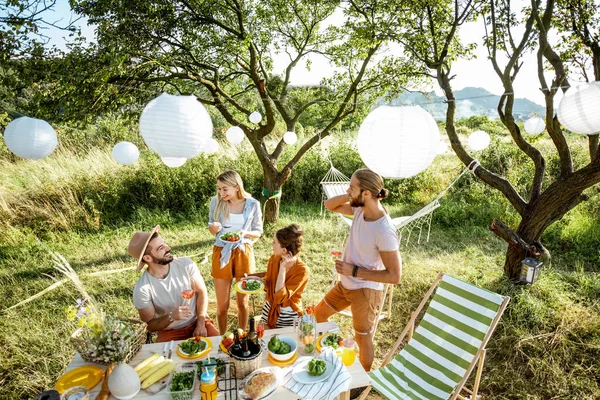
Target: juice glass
<point x="348" y="352"/>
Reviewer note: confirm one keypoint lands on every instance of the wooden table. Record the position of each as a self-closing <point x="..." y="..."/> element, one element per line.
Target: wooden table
<point x="359" y="376"/>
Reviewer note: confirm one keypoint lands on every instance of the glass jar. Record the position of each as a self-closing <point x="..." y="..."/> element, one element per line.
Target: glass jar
<point x="307" y="332"/>
<point x="348" y="351"/>
<point x="76" y="393"/>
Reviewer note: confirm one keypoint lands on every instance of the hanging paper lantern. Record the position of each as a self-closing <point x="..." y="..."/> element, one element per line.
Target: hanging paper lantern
<point x="212" y="146"/>
<point x="479" y="140"/>
<point x="579" y="109"/>
<point x="173" y="162"/>
<point x="255" y="117"/>
<point x="535" y="125"/>
<point x="398" y="142"/>
<point x="30" y="138"/>
<point x="290" y="137"/>
<point x="125" y="153"/>
<point x="235" y="135"/>
<point x="175" y="126"/>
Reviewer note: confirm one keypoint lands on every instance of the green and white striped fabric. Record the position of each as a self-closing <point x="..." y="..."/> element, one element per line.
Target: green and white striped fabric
<point x="434" y="361"/>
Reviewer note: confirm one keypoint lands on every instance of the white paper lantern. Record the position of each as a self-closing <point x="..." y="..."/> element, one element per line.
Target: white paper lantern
<point x="398" y="142"/>
<point x="479" y="140"/>
<point x="176" y="126"/>
<point x="125" y="153"/>
<point x="235" y="135"/>
<point x="123" y="382"/>
<point x="255" y="117"/>
<point x="290" y="137"/>
<point x="579" y="109"/>
<point x="535" y="125"/>
<point x="30" y="138"/>
<point x="173" y="162"/>
<point x="212" y="146"/>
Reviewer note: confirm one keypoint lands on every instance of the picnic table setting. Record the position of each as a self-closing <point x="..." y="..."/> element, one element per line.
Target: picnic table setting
<point x="304" y="362"/>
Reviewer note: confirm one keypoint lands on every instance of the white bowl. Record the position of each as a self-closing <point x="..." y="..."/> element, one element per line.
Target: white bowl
<point x="284" y="357"/>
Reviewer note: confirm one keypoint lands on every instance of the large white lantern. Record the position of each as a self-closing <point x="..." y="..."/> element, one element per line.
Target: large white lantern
<point x="212" y="146"/>
<point x="479" y="140"/>
<point x="30" y="138"/>
<point x="535" y="125"/>
<point x="290" y="137"/>
<point x="398" y="142"/>
<point x="125" y="153"/>
<point x="255" y="117"/>
<point x="173" y="162"/>
<point x="579" y="109"/>
<point x="235" y="135"/>
<point x="176" y="126"/>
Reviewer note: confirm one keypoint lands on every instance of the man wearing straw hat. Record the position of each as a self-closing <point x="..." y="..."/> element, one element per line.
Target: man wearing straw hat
<point x="158" y="293"/>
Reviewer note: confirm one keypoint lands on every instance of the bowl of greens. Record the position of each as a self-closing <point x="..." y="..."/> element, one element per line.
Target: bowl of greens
<point x="182" y="382"/>
<point x="193" y="347"/>
<point x="282" y="348"/>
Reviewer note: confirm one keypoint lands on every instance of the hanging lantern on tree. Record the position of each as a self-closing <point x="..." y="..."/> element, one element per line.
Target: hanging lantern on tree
<point x="479" y="140"/>
<point x="235" y="135"/>
<point x="125" y="153"/>
<point x="255" y="117"/>
<point x="535" y="125"/>
<point x="530" y="270"/>
<point x="176" y="126"/>
<point x="290" y="137"/>
<point x="212" y="146"/>
<point x="398" y="142"/>
<point x="173" y="162"/>
<point x="579" y="109"/>
<point x="30" y="138"/>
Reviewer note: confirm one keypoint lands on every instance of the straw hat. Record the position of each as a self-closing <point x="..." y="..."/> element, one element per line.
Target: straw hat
<point x="138" y="243"/>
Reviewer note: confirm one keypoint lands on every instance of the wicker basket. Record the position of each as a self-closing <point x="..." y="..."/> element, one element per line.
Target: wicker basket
<point x="243" y="366"/>
<point x="136" y="342"/>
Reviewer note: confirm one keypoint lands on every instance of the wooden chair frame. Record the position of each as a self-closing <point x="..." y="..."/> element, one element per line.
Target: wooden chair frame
<point x="478" y="359"/>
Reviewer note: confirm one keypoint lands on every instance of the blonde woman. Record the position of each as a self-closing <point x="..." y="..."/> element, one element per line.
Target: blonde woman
<point x="233" y="210"/>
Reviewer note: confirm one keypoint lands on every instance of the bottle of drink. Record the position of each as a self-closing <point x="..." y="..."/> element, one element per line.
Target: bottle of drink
<point x="208" y="385"/>
<point x="252" y="335"/>
<point x="236" y="347"/>
<point x="246" y="350"/>
<point x="348" y="352"/>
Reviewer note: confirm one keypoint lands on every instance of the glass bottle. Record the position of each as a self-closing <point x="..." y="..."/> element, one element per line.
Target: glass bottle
<point x="245" y="349"/>
<point x="252" y="335"/>
<point x="236" y="347"/>
<point x="208" y="385"/>
<point x="307" y="331"/>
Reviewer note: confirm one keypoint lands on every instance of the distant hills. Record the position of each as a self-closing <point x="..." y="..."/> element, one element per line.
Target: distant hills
<point x="470" y="101"/>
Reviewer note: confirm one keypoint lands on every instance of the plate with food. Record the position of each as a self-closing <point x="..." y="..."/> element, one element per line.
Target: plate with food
<point x="249" y="286"/>
<point x="313" y="371"/>
<point x="230" y="237"/>
<point x="227" y="340"/>
<point x="194" y="347"/>
<point x="330" y="339"/>
<point x="260" y="384"/>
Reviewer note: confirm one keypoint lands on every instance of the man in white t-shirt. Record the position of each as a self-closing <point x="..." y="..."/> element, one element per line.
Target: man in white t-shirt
<point x="371" y="258"/>
<point x="158" y="294"/>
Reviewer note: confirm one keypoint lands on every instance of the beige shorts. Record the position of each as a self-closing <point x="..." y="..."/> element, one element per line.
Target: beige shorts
<point x="364" y="304"/>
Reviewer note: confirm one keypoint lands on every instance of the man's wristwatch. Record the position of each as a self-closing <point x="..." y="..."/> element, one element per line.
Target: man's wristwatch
<point x="170" y="316"/>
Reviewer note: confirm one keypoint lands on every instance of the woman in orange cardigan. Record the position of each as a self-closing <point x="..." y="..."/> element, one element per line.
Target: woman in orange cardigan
<point x="285" y="279"/>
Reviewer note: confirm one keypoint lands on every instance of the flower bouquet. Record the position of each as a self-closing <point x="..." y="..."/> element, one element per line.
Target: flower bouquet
<point x="100" y="338"/>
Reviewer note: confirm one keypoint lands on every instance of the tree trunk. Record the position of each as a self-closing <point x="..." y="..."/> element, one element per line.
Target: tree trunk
<point x="271" y="194"/>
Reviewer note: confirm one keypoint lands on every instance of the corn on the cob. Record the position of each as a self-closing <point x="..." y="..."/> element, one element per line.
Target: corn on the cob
<point x="146" y="361"/>
<point x="150" y="366"/>
<point x="163" y="370"/>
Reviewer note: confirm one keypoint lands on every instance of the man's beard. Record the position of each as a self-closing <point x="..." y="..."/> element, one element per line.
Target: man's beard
<point x="356" y="202"/>
<point x="164" y="260"/>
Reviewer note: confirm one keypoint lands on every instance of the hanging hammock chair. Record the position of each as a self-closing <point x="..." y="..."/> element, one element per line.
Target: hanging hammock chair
<point x="335" y="183"/>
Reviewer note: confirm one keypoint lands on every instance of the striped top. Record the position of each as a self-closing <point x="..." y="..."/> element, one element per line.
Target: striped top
<point x="444" y="345"/>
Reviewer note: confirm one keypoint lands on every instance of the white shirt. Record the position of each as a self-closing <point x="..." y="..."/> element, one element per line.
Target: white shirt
<point x="366" y="240"/>
<point x="165" y="294"/>
<point x="236" y="221"/>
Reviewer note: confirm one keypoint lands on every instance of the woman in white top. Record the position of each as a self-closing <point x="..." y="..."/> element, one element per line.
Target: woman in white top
<point x="233" y="210"/>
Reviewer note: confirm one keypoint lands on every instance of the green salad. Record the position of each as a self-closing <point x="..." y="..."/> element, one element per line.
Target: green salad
<point x="252" y="285"/>
<point x="316" y="367"/>
<point x="192" y="346"/>
<point x="278" y="347"/>
<point x="333" y="340"/>
<point x="182" y="382"/>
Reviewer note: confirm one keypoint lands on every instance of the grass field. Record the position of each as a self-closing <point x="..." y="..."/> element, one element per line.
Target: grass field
<point x="546" y="346"/>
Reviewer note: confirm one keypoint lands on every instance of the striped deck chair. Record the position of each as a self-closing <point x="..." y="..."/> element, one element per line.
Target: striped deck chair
<point x="443" y="351"/>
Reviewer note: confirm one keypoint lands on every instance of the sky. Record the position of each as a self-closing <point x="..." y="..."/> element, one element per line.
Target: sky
<point x="477" y="72"/>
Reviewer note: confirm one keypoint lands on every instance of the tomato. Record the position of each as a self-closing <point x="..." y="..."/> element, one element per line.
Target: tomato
<point x="197" y="338"/>
<point x="244" y="285"/>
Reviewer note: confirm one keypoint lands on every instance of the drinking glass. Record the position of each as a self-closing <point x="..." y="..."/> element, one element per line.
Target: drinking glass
<point x="187" y="293"/>
<point x="348" y="352"/>
<point x="260" y="328"/>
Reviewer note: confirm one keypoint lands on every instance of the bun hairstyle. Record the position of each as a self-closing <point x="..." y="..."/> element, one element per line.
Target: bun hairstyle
<point x="371" y="181"/>
<point x="290" y="238"/>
